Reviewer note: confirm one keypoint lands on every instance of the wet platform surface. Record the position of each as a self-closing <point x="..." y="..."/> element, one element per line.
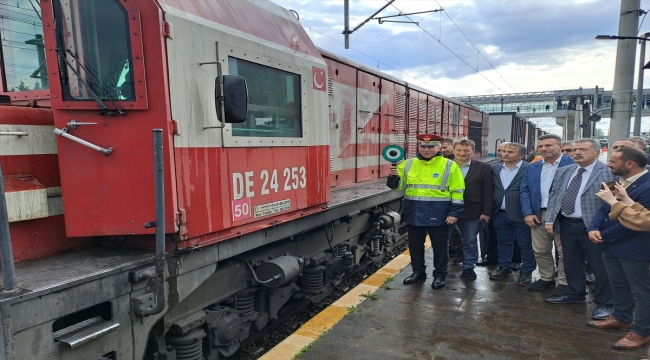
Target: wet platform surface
<point x="480" y="319"/>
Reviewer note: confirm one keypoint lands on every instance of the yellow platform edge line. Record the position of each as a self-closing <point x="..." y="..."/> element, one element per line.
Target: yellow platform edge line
<point x="300" y="341"/>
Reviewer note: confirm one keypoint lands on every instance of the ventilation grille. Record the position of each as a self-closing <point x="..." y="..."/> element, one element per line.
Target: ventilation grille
<point x="330" y="86"/>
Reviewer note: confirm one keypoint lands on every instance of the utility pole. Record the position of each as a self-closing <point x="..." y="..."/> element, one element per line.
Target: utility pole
<point x="619" y="127"/>
<point x="639" y="88"/>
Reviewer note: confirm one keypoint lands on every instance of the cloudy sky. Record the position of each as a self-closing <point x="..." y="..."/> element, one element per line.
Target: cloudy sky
<point x="524" y="45"/>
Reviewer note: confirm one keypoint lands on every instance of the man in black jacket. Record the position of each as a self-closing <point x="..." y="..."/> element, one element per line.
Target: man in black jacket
<point x="477" y="199"/>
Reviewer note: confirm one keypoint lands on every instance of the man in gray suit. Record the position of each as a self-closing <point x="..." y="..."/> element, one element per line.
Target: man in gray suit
<point x="508" y="218"/>
<point x="572" y="205"/>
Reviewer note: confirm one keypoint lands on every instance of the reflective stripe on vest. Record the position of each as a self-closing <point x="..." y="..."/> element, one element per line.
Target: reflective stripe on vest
<point x="420" y="186"/>
<point x="407" y="167"/>
<point x="445" y="176"/>
<point x="420" y="198"/>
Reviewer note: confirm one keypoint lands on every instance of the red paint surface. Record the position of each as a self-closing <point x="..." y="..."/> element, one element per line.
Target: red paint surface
<point x="205" y="183"/>
<point x="32" y="239"/>
<point x="18" y="115"/>
<point x="114" y="194"/>
<point x="45" y="168"/>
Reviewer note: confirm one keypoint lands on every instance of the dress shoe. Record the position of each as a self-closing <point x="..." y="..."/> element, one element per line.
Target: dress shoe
<point x="591" y="279"/>
<point x="601" y="313"/>
<point x="540" y="285"/>
<point x="561" y="289"/>
<point x="500" y="273"/>
<point x="515" y="266"/>
<point x="469" y="274"/>
<point x="524" y="278"/>
<point x="609" y="323"/>
<point x="631" y="341"/>
<point x="438" y="282"/>
<point x="415" y="277"/>
<point x="487" y="263"/>
<point x="565" y="299"/>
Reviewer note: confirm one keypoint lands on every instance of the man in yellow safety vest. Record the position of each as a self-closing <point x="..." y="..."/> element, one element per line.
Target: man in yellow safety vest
<point x="433" y="200"/>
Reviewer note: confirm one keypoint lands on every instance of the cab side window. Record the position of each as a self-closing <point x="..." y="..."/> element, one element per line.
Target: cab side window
<point x="274" y="108"/>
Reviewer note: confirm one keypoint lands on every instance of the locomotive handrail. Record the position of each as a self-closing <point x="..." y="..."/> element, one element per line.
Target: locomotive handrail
<point x="64" y="133"/>
<point x="6" y="251"/>
<point x="14" y="133"/>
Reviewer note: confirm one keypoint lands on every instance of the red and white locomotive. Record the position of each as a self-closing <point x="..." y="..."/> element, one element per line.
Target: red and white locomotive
<point x="263" y="208"/>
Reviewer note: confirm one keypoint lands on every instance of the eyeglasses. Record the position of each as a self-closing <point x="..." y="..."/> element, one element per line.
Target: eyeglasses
<point x="427" y="146"/>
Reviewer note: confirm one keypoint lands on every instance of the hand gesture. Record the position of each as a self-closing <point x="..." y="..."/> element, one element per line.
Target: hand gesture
<point x="531" y="220"/>
<point x="607" y="195"/>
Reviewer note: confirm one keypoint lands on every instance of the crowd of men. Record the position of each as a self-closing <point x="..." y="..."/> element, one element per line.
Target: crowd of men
<point x="549" y="209"/>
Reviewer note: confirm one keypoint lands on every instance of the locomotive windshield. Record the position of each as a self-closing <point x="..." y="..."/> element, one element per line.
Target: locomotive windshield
<point x="94" y="50"/>
<point x="274" y="101"/>
<point x="22" y="54"/>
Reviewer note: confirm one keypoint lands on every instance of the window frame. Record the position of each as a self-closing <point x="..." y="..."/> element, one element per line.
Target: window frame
<point x="224" y="51"/>
<point x="27" y="95"/>
<point x="137" y="61"/>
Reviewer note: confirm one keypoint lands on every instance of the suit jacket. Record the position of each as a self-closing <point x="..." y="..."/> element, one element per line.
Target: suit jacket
<point x="589" y="202"/>
<point x="511" y="194"/>
<point x="621" y="241"/>
<point x="479" y="189"/>
<point x="531" y="194"/>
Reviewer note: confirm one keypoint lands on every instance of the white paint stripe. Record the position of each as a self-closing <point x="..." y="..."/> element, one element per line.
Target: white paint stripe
<point x="41" y="140"/>
<point x="26" y="205"/>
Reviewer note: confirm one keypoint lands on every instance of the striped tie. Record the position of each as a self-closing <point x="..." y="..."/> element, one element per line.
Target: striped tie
<point x="569" y="199"/>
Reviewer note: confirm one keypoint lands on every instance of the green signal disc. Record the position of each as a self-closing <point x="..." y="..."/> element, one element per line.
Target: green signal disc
<point x="393" y="153"/>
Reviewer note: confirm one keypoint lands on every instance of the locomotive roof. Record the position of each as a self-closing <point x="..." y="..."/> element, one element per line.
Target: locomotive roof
<point x="383" y="75"/>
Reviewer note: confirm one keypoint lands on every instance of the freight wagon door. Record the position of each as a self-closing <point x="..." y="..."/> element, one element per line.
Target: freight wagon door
<point x="368" y="102"/>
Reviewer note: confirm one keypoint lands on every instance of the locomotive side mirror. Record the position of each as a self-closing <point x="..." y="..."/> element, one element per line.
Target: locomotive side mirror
<point x="231" y="98"/>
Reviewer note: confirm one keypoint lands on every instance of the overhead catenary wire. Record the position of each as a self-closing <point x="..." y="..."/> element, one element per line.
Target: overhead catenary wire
<point x="377" y="60"/>
<point x="451" y="51"/>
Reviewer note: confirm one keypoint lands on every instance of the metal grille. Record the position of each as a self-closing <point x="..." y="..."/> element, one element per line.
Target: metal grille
<point x="330" y="86"/>
<point x="431" y="117"/>
<point x="412" y="127"/>
<point x="422" y="118"/>
<point x="400" y="110"/>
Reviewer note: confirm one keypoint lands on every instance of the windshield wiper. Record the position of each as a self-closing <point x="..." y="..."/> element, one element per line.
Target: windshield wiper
<point x="98" y="83"/>
<point x="61" y="53"/>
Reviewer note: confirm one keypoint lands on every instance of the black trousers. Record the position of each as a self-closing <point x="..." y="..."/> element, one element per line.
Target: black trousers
<point x="439" y="244"/>
<point x="576" y="248"/>
<point x="492" y="253"/>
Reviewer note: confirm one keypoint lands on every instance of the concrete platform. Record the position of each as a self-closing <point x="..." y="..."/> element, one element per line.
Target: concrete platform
<point x="481" y="319"/>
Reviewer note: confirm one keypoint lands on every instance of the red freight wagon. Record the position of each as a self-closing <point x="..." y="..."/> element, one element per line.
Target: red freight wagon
<point x="255" y="211"/>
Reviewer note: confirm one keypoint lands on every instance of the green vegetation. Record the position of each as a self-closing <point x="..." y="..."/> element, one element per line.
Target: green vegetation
<point x="371" y="296"/>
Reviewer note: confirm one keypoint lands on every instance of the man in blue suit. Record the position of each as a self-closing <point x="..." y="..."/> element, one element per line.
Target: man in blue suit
<point x="535" y="190"/>
<point x="626" y="253"/>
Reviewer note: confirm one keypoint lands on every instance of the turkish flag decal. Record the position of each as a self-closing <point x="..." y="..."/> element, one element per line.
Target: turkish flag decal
<point x="320" y="80"/>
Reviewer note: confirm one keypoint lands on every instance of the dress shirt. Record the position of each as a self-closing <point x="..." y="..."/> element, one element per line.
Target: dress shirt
<point x="629" y="181"/>
<point x="506" y="178"/>
<point x="465" y="168"/>
<point x="548" y="172"/>
<point x="589" y="169"/>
